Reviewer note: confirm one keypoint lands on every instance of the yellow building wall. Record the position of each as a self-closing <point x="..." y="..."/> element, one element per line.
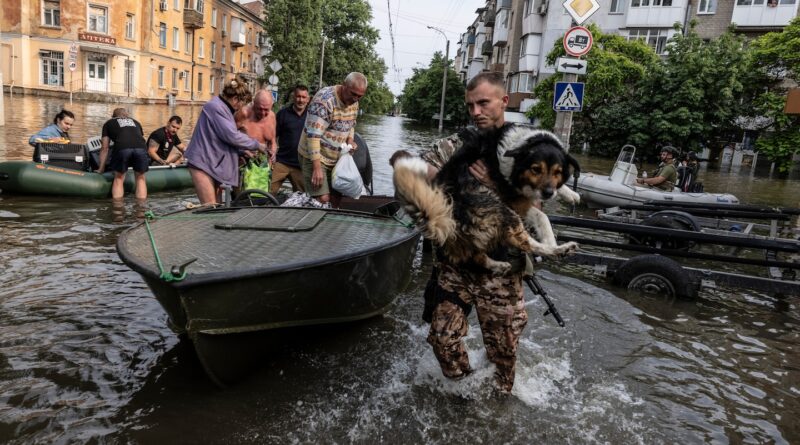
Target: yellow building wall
<point x="25" y="38"/>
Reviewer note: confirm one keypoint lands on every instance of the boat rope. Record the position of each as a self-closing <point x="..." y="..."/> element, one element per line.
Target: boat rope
<point x="177" y="273"/>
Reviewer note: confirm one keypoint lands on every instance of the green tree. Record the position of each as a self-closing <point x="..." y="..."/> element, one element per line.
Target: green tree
<point x="422" y="93"/>
<point x="616" y="71"/>
<point x="776" y="59"/>
<point x="694" y="96"/>
<point x="296" y="29"/>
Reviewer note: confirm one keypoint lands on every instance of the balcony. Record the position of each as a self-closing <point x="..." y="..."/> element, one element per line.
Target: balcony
<point x="656" y="16"/>
<point x="497" y="67"/>
<point x="488" y="18"/>
<point x="192" y="19"/>
<point x="763" y="16"/>
<point x="486" y="48"/>
<point x="503" y="4"/>
<point x="238" y="39"/>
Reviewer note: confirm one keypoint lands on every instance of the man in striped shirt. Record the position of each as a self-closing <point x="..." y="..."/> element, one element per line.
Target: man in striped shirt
<point x="330" y="123"/>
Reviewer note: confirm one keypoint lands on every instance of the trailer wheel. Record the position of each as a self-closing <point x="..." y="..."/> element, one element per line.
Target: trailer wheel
<point x="668" y="219"/>
<point x="655" y="274"/>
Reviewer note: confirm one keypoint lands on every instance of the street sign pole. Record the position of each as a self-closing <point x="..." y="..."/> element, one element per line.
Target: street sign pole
<point x="563" y="126"/>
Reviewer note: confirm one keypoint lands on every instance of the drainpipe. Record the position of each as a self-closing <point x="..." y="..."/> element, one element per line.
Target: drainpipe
<point x="191" y="81"/>
<point x="686" y="17"/>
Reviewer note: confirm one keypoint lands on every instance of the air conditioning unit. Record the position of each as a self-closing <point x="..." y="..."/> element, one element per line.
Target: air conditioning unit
<point x="182" y="74"/>
<point x="224" y="33"/>
<point x="543" y="8"/>
<point x="163" y="5"/>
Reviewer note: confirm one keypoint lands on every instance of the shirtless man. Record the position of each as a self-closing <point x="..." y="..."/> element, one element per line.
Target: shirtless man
<point x="258" y="121"/>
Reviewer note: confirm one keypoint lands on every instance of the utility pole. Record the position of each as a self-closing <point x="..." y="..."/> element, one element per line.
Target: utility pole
<point x="445" y="65"/>
<point x="321" y="60"/>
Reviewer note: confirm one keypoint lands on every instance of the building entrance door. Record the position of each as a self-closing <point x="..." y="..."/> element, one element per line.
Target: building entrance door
<point x="97" y="75"/>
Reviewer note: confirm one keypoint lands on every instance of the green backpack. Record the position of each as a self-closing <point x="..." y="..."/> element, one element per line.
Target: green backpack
<point x="257" y="173"/>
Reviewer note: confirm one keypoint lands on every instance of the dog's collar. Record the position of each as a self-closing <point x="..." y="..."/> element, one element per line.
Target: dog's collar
<point x="513" y="138"/>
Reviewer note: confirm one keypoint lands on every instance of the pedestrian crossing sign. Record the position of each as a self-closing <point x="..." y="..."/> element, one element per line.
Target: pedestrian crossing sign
<point x="568" y="96"/>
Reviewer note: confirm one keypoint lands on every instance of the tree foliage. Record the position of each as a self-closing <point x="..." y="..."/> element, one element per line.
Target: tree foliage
<point x="775" y="57"/>
<point x="296" y="28"/>
<point x="422" y="93"/>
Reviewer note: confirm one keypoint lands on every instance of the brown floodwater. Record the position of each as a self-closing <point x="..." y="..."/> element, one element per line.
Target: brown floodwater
<point x="86" y="355"/>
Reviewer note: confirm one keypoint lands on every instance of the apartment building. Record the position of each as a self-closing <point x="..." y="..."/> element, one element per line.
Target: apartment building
<point x="127" y="50"/>
<point x="515" y="36"/>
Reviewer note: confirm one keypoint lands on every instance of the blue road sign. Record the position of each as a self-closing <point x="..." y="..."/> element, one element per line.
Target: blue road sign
<point x="568" y="96"/>
<point x="274" y="95"/>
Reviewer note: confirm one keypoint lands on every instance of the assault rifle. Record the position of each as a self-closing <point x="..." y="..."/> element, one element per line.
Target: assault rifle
<point x="537" y="289"/>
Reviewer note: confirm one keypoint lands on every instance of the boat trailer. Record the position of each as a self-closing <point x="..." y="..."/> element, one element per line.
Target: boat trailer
<point x="665" y="247"/>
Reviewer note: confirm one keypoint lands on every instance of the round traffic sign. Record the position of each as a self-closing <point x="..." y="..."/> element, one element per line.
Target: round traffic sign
<point x="578" y="41"/>
<point x="273" y="79"/>
<point x="72" y="66"/>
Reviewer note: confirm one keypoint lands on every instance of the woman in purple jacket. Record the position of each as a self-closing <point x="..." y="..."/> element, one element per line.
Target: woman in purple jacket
<point x="216" y="144"/>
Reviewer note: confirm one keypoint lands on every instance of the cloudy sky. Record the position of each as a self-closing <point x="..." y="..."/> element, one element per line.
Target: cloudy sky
<point x="414" y="44"/>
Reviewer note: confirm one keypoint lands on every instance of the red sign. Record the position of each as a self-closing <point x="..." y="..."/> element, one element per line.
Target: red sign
<point x="577" y="41"/>
<point x="97" y="38"/>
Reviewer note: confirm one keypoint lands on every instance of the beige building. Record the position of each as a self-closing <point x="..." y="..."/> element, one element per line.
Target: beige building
<point x="128" y="50"/>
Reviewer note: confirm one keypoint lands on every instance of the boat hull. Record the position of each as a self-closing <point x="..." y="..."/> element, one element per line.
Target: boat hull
<point x="599" y="191"/>
<point x="33" y="178"/>
<point x="231" y="313"/>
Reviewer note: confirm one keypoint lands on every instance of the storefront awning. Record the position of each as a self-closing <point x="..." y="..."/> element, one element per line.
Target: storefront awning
<point x="102" y="49"/>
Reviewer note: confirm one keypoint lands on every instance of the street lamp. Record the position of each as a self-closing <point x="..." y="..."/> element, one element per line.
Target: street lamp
<point x="444" y="76"/>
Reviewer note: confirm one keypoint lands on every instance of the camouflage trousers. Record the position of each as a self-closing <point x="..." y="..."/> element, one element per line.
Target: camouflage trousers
<point x="501" y="313"/>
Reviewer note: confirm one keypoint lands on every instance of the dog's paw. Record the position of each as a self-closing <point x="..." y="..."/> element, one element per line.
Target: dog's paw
<point x="568" y="196"/>
<point x="566" y="249"/>
<point x="500" y="267"/>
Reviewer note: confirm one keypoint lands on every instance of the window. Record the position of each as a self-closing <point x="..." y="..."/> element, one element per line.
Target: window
<point x="52" y="68"/>
<point x="197" y="5"/>
<point x="241" y="59"/>
<point x="187" y="37"/>
<point x="233" y="59"/>
<point x="199" y="82"/>
<point x="213" y="51"/>
<point x="616" y="7"/>
<point x="528" y="6"/>
<point x="638" y="3"/>
<point x="222" y="59"/>
<point x="662" y="2"/>
<point x="200" y="6"/>
<point x="176" y="39"/>
<point x="176" y="5"/>
<point x="654" y="38"/>
<point x="51" y="16"/>
<point x="130" y="26"/>
<point x="213" y="18"/>
<point x="161" y="76"/>
<point x="526" y="83"/>
<point x="162" y="35"/>
<point x="522" y="46"/>
<point x="707" y="7"/>
<point x="787" y="2"/>
<point x="224" y="22"/>
<point x="185" y="76"/>
<point x="98" y="19"/>
<point x="201" y="48"/>
<point x="211" y="84"/>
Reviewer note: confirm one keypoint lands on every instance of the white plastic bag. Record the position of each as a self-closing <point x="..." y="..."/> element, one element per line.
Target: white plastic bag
<point x="346" y="177"/>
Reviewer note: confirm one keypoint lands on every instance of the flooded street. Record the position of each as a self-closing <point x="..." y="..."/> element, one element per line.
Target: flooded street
<point x="86" y="354"/>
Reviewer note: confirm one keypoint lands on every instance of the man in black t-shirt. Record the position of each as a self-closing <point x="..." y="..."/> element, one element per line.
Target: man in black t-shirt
<point x="290" y="123"/>
<point x="129" y="151"/>
<point x="164" y="146"/>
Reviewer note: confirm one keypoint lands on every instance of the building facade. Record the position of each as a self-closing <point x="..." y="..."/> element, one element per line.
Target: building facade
<point x="128" y="50"/>
<point x="515" y="36"/>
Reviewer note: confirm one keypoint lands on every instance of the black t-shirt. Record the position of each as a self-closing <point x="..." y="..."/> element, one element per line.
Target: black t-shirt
<point x="125" y="132"/>
<point x="289" y="128"/>
<point x="164" y="141"/>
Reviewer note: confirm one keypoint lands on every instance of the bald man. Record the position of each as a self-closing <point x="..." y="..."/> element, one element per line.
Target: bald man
<point x="258" y="121"/>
